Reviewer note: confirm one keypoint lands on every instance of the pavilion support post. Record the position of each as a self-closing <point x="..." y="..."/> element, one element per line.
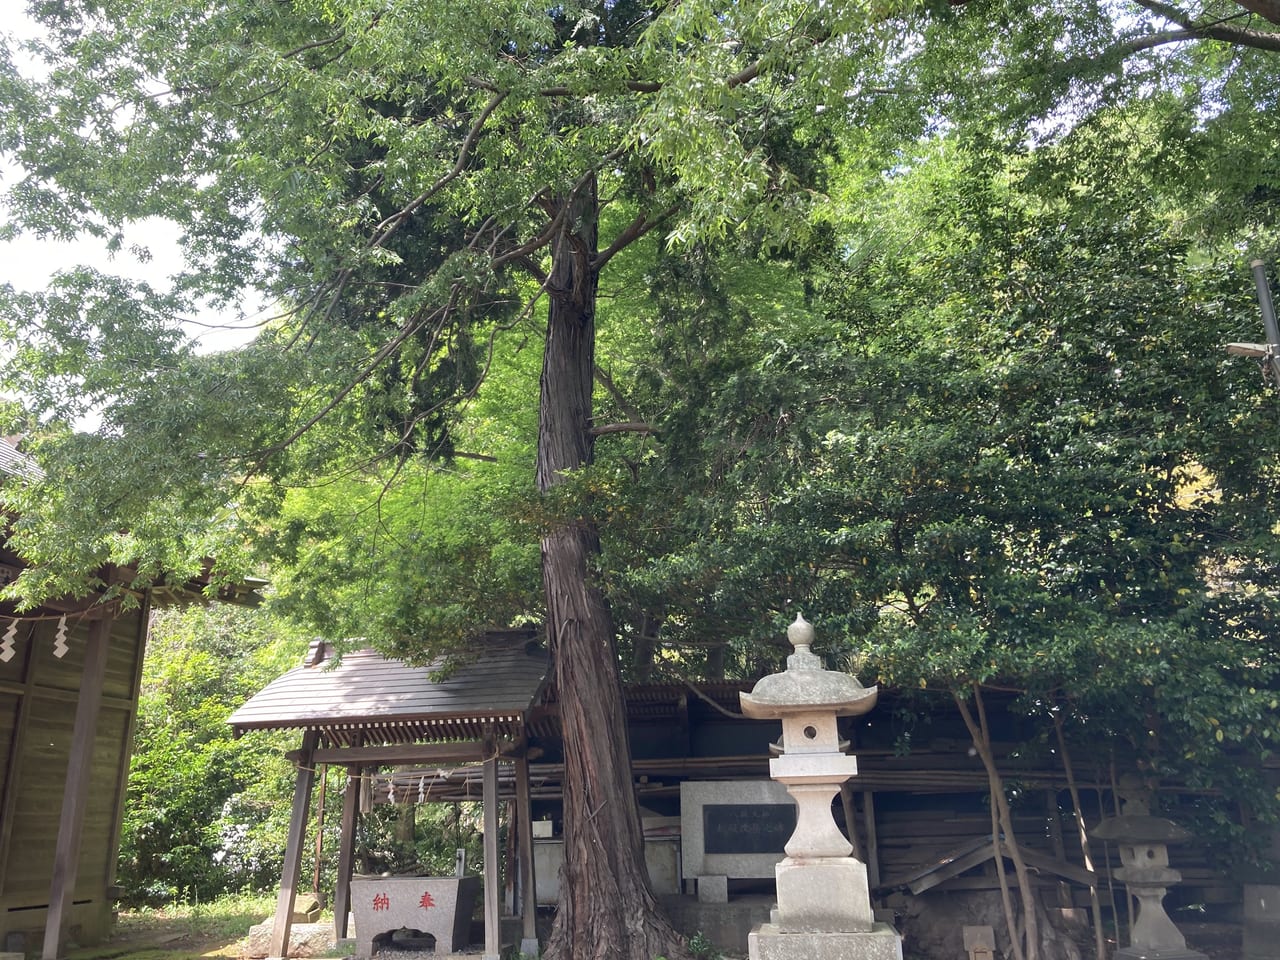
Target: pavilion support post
<point x="492" y="893"/>
<point x="346" y="853"/>
<point x="524" y="836"/>
<point x="75" y="796"/>
<point x="283" y="923"/>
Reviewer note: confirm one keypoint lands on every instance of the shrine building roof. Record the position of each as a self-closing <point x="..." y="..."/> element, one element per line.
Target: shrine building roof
<point x="362" y="697"/>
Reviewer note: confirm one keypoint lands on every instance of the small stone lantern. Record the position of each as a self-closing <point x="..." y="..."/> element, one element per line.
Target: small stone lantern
<point x="824" y="905"/>
<point x="1144" y="854"/>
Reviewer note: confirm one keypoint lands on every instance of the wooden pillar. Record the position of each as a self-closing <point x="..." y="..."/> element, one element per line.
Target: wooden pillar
<point x="283" y="923"/>
<point x="524" y="835"/>
<point x="141" y="636"/>
<point x="75" y="795"/>
<point x="851" y="820"/>
<point x="872" y="842"/>
<point x="492" y="893"/>
<point x="1054" y="819"/>
<point x="346" y="852"/>
<point x="13" y="766"/>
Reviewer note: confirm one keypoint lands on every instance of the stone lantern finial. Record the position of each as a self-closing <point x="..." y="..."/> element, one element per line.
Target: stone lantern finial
<point x="800" y="633"/>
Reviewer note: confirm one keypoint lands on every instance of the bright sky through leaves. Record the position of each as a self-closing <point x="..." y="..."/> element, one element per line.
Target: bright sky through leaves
<point x="151" y="251"/>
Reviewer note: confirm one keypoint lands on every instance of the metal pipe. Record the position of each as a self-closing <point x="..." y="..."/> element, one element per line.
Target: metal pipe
<point x="1272" y="358"/>
<point x="1264" y="301"/>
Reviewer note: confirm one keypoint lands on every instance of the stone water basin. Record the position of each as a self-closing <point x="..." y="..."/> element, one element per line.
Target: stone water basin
<point x="439" y="906"/>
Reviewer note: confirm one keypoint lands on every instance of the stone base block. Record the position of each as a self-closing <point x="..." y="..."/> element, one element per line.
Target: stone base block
<point x="306" y="908"/>
<point x="305" y="940"/>
<point x="1261" y="921"/>
<point x="768" y="942"/>
<point x="1153" y="953"/>
<point x="724" y="924"/>
<point x="713" y="889"/>
<point x="826" y="894"/>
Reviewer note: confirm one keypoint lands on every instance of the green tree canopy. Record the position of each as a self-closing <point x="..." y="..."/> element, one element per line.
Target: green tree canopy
<point x="411" y="182"/>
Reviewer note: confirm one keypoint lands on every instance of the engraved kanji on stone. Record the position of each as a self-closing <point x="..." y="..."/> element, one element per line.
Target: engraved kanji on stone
<point x="426" y="903"/>
<point x="381" y="902"/>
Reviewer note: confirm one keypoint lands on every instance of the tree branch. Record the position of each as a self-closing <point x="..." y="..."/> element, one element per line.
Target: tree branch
<point x="629" y="427"/>
<point x="636" y="86"/>
<point x="1217" y="30"/>
<point x="711" y="703"/>
<point x="633" y="231"/>
<point x="1267" y="9"/>
<point x="748" y="73"/>
<point x="312" y="45"/>
<point x="541" y="240"/>
<point x="392" y="223"/>
<point x="390" y="347"/>
<point x="611" y="388"/>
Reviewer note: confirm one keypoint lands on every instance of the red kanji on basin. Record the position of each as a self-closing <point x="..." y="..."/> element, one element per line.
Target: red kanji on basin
<point x="381" y="902"/>
<point x="426" y="903"/>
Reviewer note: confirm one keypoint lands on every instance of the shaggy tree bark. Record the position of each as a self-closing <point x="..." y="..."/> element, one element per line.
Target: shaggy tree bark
<point x="603" y="844"/>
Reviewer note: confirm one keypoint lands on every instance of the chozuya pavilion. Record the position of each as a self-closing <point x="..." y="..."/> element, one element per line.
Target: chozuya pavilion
<point x="362" y="711"/>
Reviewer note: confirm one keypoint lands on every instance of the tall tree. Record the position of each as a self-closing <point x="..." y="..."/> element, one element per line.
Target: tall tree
<point x="407" y="182"/>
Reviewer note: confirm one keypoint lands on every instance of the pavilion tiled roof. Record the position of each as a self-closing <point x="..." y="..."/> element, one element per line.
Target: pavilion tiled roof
<point x="14" y="463"/>
<point x="365" y="698"/>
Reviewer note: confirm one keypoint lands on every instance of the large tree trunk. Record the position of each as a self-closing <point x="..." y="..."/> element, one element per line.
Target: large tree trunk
<point x="607" y="908"/>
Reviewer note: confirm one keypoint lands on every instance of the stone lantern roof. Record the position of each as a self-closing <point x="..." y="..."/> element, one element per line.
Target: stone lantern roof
<point x="805" y="685"/>
<point x="1140" y="829"/>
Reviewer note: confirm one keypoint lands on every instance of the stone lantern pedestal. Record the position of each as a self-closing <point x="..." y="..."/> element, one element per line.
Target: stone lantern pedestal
<point x="824" y="905"/>
<point x="1144" y="854"/>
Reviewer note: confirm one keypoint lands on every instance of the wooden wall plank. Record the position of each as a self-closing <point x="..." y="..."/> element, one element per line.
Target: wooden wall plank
<point x="14" y="757"/>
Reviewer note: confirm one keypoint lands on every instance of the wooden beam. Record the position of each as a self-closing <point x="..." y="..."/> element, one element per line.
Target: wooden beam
<point x="75" y="794"/>
<point x="346" y="853"/>
<point x="66" y="696"/>
<point x="1047" y="865"/>
<point x="492" y="892"/>
<point x="467" y="751"/>
<point x="524" y="836"/>
<point x="952" y="867"/>
<point x="283" y="923"/>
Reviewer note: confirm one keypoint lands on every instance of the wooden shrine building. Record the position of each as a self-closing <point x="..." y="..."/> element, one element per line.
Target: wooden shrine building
<point x="917" y="812"/>
<point x="69" y="679"/>
<point x="362" y="711"/>
<point x="70" y="672"/>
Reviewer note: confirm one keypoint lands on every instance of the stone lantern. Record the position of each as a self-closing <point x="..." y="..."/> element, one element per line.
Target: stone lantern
<point x="824" y="905"/>
<point x="1144" y="854"/>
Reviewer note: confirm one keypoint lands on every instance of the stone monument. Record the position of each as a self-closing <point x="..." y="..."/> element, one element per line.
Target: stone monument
<point x="824" y="905"/>
<point x="1144" y="854"/>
